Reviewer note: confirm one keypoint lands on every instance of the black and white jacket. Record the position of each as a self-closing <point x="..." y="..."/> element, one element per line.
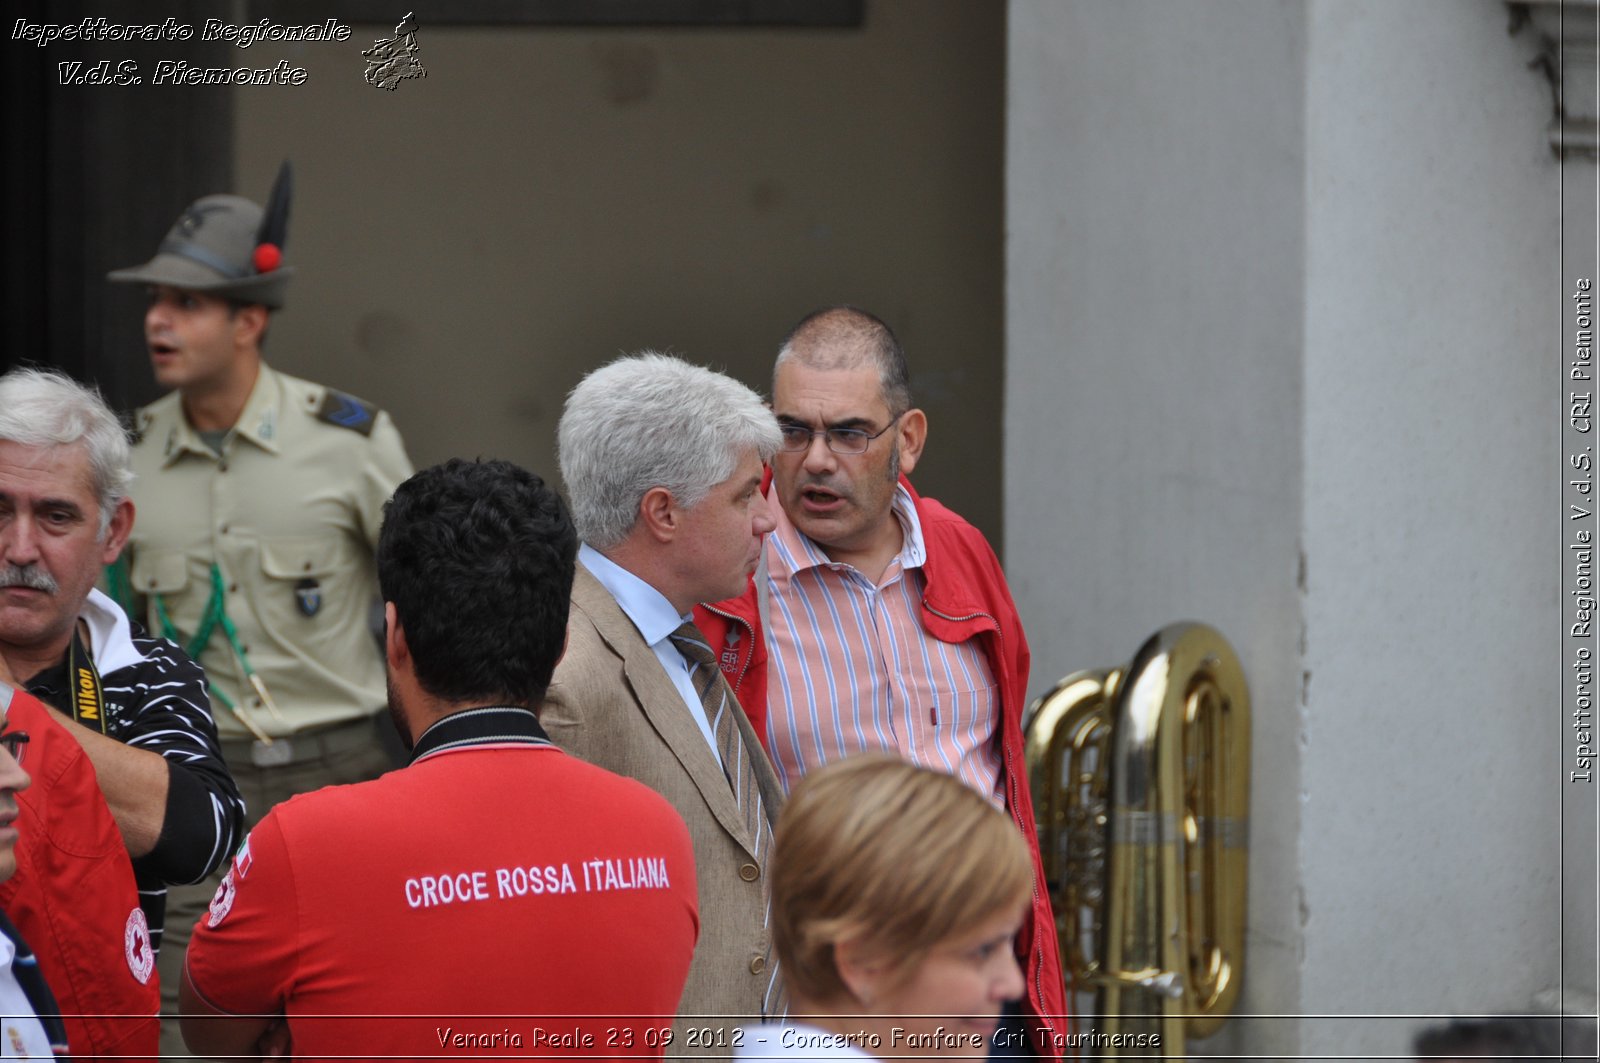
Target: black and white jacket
<point x="156" y="698"/>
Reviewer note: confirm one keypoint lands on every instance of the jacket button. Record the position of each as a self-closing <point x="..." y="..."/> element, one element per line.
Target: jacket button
<point x="758" y="965"/>
<point x="749" y="872"/>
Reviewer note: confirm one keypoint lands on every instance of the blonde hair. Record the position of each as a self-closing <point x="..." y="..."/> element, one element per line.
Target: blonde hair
<point x="897" y="857"/>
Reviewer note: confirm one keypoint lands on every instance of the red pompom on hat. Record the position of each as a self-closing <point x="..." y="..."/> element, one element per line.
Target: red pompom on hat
<point x="267" y="258"/>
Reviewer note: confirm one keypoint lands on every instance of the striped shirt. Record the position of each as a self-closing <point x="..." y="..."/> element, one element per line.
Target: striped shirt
<point x="850" y="667"/>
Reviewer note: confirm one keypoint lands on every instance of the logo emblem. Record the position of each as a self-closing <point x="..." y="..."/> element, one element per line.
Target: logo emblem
<point x="308" y="596"/>
<point x="241" y="859"/>
<point x="392" y="60"/>
<point x="136" y="942"/>
<point x="222" y="902"/>
<point x="194" y="218"/>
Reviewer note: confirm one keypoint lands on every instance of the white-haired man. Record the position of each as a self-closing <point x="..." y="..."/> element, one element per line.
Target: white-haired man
<point x="137" y="705"/>
<point x="663" y="464"/>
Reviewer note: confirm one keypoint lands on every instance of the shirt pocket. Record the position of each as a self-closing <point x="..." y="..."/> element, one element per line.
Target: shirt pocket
<point x="968" y="707"/>
<point x="296" y="575"/>
<point x="300" y="557"/>
<point x="164" y="572"/>
<point x="953" y="698"/>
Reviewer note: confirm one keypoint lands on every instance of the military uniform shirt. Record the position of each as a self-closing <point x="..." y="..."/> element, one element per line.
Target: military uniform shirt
<point x="289" y="510"/>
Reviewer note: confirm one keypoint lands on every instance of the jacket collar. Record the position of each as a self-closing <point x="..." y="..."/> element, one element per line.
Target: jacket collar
<point x="110" y="634"/>
<point x="662" y="706"/>
<point x="647" y="607"/>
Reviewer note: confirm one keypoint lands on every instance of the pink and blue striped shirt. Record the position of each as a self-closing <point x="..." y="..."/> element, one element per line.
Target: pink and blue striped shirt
<point x="851" y="669"/>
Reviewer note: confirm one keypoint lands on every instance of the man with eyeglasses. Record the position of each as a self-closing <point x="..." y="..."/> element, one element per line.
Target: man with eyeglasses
<point x="880" y="619"/>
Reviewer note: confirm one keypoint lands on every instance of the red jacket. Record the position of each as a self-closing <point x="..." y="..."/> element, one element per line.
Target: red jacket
<point x="965" y="597"/>
<point x="73" y="897"/>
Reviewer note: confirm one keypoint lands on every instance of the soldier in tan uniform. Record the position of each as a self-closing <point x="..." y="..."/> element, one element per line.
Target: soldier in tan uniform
<point x="260" y="497"/>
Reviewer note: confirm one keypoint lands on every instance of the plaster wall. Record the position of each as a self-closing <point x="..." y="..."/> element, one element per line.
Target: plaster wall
<point x="1154" y="318"/>
<point x="548" y="198"/>
<point x="1430" y="841"/>
<point x="1282" y="310"/>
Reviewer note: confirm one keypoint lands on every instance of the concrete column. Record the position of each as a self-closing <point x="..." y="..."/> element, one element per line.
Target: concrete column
<point x="1282" y="357"/>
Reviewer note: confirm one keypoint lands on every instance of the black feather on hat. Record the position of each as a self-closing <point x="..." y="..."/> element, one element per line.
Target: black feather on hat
<point x="225" y="246"/>
<point x="273" y="236"/>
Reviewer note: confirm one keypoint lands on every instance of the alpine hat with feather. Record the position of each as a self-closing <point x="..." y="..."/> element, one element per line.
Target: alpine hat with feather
<point x="225" y="246"/>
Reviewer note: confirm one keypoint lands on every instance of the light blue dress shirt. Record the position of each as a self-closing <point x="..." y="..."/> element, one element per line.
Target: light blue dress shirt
<point x="655" y="619"/>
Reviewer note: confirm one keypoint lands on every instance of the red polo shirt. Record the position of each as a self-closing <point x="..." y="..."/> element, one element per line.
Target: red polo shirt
<point x="495" y="896"/>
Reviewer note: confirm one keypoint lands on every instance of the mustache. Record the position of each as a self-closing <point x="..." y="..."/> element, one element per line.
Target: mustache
<point x="29" y="576"/>
<point x="826" y="483"/>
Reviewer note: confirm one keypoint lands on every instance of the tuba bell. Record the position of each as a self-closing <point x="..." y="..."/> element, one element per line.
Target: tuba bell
<point x="1141" y="788"/>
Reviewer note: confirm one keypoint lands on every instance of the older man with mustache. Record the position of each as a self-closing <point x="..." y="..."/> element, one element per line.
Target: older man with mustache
<point x="135" y="706"/>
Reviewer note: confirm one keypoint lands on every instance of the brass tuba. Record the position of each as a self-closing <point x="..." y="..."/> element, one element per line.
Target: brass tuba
<point x="1141" y="786"/>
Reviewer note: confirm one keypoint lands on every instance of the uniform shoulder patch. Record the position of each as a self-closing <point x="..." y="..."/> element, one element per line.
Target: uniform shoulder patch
<point x="347" y="411"/>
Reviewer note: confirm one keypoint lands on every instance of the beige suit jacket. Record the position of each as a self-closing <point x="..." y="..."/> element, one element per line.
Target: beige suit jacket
<point x="612" y="704"/>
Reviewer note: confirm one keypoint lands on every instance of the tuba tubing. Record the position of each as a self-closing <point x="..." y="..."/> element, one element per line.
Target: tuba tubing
<point x="1142" y="790"/>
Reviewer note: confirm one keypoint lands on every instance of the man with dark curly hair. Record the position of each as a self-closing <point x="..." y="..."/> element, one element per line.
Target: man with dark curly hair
<point x="494" y="875"/>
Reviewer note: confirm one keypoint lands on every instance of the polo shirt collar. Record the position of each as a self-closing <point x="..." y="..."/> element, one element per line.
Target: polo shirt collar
<point x="492" y="725"/>
<point x="795" y="553"/>
<point x="110" y="634"/>
<point x="646" y="607"/>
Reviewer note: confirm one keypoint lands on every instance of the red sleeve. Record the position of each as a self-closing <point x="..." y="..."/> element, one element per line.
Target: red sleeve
<point x="245" y="948"/>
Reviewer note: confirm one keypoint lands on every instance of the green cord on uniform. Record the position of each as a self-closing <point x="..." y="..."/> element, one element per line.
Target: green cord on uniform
<point x="214" y="615"/>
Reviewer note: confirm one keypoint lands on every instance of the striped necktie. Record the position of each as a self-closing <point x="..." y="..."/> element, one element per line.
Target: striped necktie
<point x="719" y="705"/>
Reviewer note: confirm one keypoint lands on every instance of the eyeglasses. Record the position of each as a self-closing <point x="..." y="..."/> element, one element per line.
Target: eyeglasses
<point x="798" y="437"/>
<point x="13" y="742"/>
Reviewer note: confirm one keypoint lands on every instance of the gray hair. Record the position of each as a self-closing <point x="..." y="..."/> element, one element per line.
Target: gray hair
<point x="39" y="408"/>
<point x="652" y="420"/>
<point x="847" y="337"/>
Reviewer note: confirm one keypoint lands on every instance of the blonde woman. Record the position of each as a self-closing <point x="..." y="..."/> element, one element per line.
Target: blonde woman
<point x="897" y="894"/>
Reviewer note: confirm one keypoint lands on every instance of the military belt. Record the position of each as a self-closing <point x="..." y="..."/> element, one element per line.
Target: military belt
<point x="301" y="748"/>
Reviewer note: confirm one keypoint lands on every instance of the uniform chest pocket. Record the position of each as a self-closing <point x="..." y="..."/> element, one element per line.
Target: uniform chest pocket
<point x="300" y="556"/>
<point x="297" y="569"/>
<point x="159" y="571"/>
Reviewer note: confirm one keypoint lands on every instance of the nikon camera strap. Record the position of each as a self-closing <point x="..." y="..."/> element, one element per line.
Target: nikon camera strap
<point x="85" y="697"/>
